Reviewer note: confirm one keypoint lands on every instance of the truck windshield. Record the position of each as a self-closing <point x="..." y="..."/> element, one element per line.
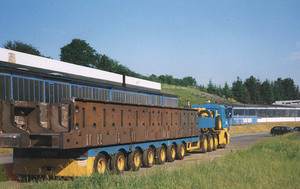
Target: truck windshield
<point x="226" y="113"/>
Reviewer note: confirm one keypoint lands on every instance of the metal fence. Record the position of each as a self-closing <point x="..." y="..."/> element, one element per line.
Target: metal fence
<point x="22" y="88"/>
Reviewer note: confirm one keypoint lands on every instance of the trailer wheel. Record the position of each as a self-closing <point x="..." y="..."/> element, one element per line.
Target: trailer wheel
<point x="134" y="160"/>
<point x="161" y="155"/>
<point x="148" y="157"/>
<point x="216" y="142"/>
<point x="118" y="162"/>
<point x="218" y="124"/>
<point x="204" y="144"/>
<point x="210" y="145"/>
<point x="100" y="164"/>
<point x="171" y="153"/>
<point x="180" y="152"/>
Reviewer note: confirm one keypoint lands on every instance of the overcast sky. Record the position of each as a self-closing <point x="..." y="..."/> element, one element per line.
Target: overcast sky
<point x="217" y="40"/>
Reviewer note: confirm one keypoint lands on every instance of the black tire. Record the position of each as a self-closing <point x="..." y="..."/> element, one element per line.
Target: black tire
<point x="118" y="162"/>
<point x="210" y="143"/>
<point x="134" y="160"/>
<point x="203" y="144"/>
<point x="171" y="153"/>
<point x="148" y="157"/>
<point x="180" y="151"/>
<point x="100" y="164"/>
<point x="218" y="124"/>
<point x="216" y="142"/>
<point x="161" y="155"/>
<point x="204" y="112"/>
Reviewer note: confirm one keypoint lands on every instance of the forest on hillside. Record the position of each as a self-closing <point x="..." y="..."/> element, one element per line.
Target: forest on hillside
<point x="249" y="91"/>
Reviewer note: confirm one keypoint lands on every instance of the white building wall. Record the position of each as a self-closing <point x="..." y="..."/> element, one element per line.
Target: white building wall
<point x="278" y="119"/>
<point x="64" y="67"/>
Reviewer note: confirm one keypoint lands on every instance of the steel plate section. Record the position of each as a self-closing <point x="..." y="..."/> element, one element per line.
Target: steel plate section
<point x="98" y="123"/>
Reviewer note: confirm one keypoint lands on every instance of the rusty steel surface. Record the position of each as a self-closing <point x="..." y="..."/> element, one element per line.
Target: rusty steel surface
<point x="85" y="123"/>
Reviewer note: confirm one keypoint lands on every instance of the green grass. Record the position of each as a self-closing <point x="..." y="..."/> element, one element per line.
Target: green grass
<point x="194" y="95"/>
<point x="271" y="163"/>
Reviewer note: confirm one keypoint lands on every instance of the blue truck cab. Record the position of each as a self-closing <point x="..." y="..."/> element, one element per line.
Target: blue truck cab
<point x="213" y="116"/>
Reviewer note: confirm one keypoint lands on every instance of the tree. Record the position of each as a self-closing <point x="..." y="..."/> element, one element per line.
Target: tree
<point x="227" y="91"/>
<point x="266" y="93"/>
<point x="290" y="89"/>
<point x="189" y="81"/>
<point x="211" y="88"/>
<point x="252" y="84"/>
<point x="106" y="63"/>
<point x="153" y="77"/>
<point x="22" y="47"/>
<point x="278" y="90"/>
<point x="239" y="91"/>
<point x="79" y="52"/>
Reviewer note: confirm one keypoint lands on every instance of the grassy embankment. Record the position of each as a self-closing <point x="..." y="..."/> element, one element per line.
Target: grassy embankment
<point x="271" y="163"/>
<point x="192" y="94"/>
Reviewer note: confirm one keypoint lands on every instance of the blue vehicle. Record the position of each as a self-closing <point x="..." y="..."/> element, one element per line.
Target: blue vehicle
<point x="213" y="119"/>
<point x="217" y="116"/>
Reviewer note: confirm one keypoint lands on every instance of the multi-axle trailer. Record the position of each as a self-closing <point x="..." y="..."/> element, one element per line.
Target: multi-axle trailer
<point x="64" y="123"/>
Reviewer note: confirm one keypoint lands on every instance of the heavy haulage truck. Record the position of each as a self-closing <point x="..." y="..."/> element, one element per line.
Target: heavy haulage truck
<point x="63" y="119"/>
